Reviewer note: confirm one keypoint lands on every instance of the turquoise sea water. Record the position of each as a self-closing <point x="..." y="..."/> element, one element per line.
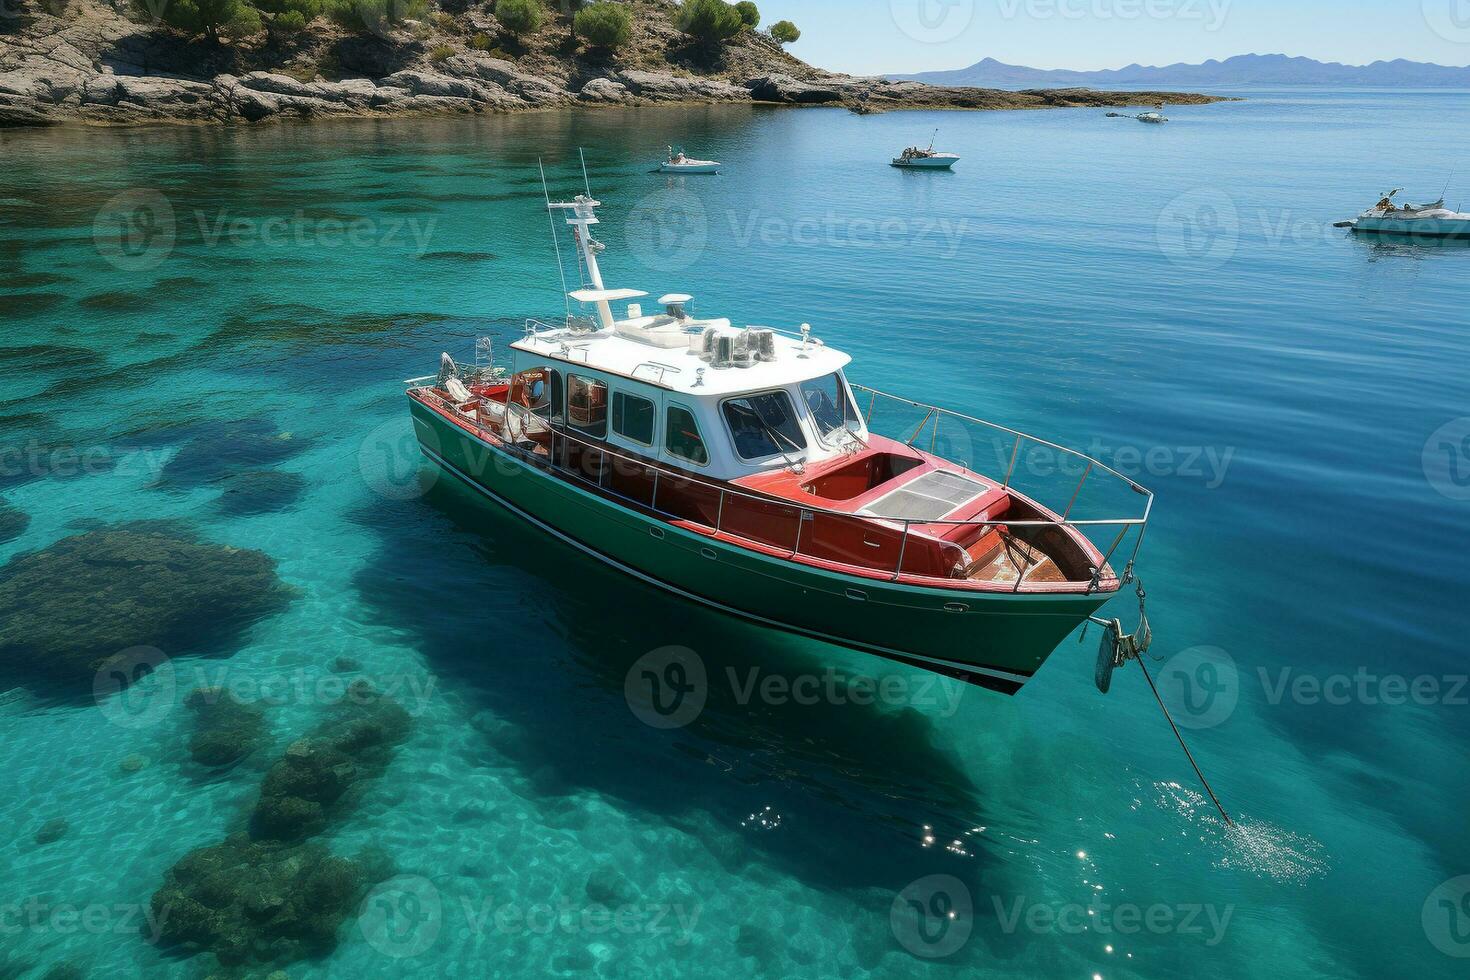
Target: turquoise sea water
<point x="1170" y="298"/>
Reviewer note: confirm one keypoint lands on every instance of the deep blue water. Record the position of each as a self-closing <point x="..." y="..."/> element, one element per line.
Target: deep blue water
<point x="1172" y="298"/>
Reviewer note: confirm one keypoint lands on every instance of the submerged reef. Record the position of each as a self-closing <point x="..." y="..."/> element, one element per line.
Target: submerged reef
<point x="248" y="900"/>
<point x="69" y="610"/>
<point x="226" y="730"/>
<point x="220" y="450"/>
<point x="265" y="895"/>
<point x="12" y="522"/>
<point x="260" y="492"/>
<point x="323" y="772"/>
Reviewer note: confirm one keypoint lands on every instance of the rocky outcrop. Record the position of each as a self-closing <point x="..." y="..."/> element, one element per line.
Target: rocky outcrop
<point x="93" y="65"/>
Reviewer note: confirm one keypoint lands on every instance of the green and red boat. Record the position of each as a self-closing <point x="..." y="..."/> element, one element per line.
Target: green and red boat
<point x="738" y="468"/>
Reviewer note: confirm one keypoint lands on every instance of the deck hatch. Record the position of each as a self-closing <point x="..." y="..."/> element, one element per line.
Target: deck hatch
<point x="930" y="497"/>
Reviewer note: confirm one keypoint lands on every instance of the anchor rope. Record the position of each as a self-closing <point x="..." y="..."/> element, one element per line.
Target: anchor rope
<point x="1187" y="754"/>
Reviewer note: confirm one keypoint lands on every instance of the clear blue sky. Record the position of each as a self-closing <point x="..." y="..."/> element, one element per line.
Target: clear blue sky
<point x="877" y="36"/>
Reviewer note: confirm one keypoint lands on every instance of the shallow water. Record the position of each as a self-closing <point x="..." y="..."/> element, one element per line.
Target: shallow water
<point x="1172" y="298"/>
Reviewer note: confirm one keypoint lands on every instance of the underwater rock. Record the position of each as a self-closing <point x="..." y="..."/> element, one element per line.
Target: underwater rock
<point x="52" y="830"/>
<point x="12" y="522"/>
<point x="225" y="730"/>
<point x="260" y="492"/>
<point x="67" y="611"/>
<point x="345" y="665"/>
<point x="608" y="886"/>
<point x="133" y="763"/>
<point x="322" y="772"/>
<point x="223" y="449"/>
<point x="253" y="901"/>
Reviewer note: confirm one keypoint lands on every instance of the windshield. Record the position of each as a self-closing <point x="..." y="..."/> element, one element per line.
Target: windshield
<point x="764" y="425"/>
<point x="830" y="404"/>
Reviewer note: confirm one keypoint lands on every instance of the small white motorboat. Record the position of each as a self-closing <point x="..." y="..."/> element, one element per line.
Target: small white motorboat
<point x="1155" y="115"/>
<point x="919" y="158"/>
<point x="1427" y="220"/>
<point x="678" y="163"/>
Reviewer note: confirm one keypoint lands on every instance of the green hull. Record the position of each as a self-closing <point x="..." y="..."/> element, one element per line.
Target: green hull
<point x="998" y="642"/>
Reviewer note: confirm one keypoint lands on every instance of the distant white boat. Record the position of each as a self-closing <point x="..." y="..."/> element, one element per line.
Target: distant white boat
<point x="678" y="163"/>
<point x="917" y="158"/>
<point x="1429" y="220"/>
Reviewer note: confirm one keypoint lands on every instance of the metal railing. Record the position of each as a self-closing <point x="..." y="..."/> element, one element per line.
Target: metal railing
<point x="894" y="533"/>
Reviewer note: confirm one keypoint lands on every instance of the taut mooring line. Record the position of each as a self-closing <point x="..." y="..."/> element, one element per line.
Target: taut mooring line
<point x="1187" y="754"/>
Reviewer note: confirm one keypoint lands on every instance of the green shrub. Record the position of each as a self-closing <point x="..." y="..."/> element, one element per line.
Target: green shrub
<point x="604" y="25"/>
<point x="750" y="14"/>
<point x="482" y="42"/>
<point x="375" y="16"/>
<point x="709" y="21"/>
<point x="212" y="18"/>
<point x="291" y="22"/>
<point x="520" y="17"/>
<point x="306" y="8"/>
<point x="441" y="52"/>
<point x="785" y="32"/>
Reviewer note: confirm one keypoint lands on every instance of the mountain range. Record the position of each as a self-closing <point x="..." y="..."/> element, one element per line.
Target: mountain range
<point x="1246" y="69"/>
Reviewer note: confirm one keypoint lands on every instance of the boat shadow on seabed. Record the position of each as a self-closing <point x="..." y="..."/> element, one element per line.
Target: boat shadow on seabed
<point x="522" y="626"/>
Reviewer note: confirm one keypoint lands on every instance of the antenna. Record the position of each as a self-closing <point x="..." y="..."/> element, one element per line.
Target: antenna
<point x="585" y="182"/>
<point x="555" y="242"/>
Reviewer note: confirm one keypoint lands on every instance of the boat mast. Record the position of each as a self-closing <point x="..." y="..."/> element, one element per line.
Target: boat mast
<point x="583" y="216"/>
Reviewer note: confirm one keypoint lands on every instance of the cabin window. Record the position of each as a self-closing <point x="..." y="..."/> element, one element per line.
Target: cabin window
<point x="764" y="425"/>
<point x="683" y="439"/>
<point x="830" y="403"/>
<point x="632" y="418"/>
<point x="587" y="405"/>
<point x="539" y="390"/>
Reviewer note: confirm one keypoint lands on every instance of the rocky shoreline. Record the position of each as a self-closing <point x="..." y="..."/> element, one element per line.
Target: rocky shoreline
<point x="94" y="66"/>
